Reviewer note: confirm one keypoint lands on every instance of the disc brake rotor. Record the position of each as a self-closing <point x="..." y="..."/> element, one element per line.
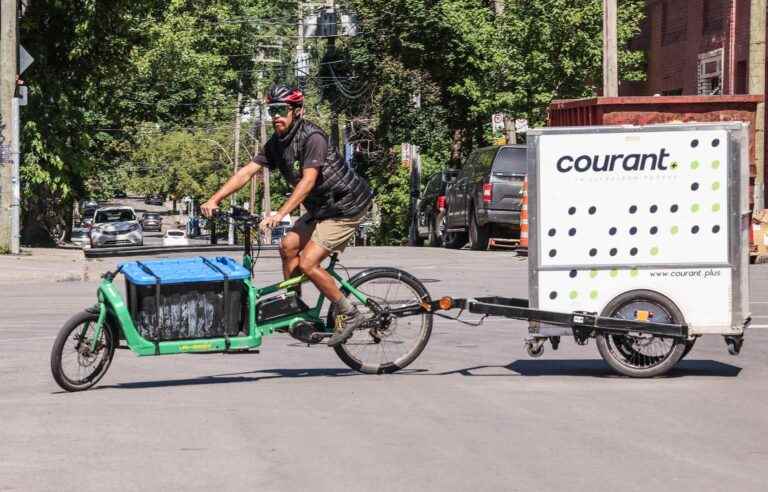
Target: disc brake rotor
<point x="86" y="358"/>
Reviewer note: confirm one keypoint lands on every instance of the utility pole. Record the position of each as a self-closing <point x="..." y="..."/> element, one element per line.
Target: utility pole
<point x="300" y="41"/>
<point x="509" y="129"/>
<point x="256" y="147"/>
<point x="757" y="74"/>
<point x="610" y="47"/>
<point x="236" y="159"/>
<point x="267" y="208"/>
<point x="8" y="71"/>
<point x="332" y="50"/>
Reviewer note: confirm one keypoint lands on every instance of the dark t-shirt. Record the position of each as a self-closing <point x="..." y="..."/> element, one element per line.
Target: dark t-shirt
<point x="315" y="152"/>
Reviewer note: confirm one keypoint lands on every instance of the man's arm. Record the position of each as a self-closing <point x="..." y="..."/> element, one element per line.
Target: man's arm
<point x="238" y="180"/>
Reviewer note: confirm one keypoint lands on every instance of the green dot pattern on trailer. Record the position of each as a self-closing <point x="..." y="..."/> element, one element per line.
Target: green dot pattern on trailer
<point x="695" y="165"/>
<point x="716" y="186"/>
<point x="695" y="207"/>
<point x="593" y="273"/>
<point x="715" y="164"/>
<point x="593" y="294"/>
<point x="573" y="294"/>
<point x="674" y="230"/>
<point x="614" y="273"/>
<point x="633" y="272"/>
<point x="715" y="207"/>
<point x="654" y="251"/>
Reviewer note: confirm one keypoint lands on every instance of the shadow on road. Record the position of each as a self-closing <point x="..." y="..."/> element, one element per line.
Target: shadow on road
<point x="551" y="367"/>
<point x="245" y="377"/>
<point x="596" y="368"/>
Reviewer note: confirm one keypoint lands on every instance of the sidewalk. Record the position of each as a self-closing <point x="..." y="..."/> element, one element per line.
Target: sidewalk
<point x="41" y="265"/>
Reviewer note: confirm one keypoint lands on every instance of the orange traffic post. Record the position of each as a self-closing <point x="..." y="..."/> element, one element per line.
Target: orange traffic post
<point x="524" y="218"/>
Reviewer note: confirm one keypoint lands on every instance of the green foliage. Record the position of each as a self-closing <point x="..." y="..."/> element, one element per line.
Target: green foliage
<point x="142" y="94"/>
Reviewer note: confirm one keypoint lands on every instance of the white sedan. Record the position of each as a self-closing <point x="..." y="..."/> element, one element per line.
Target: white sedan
<point x="175" y="237"/>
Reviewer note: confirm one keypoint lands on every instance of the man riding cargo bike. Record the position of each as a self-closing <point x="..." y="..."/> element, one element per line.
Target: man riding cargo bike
<point x="335" y="197"/>
<point x="379" y="320"/>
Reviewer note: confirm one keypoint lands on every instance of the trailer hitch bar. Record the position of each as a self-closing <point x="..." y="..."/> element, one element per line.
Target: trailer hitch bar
<point x="585" y="322"/>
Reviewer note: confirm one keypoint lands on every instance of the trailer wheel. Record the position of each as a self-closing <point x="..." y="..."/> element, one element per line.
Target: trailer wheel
<point x="535" y="348"/>
<point x="641" y="355"/>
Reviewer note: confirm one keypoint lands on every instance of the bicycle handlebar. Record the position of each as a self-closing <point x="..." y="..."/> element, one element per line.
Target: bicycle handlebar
<point x="238" y="214"/>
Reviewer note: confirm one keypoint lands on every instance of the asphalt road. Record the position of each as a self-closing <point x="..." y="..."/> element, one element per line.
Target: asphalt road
<point x="472" y="413"/>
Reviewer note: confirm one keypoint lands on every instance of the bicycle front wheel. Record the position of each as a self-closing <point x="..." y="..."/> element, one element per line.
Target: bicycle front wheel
<point x="74" y="365"/>
<point x="385" y="347"/>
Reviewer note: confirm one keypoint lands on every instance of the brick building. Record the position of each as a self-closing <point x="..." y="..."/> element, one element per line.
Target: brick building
<point x="693" y="47"/>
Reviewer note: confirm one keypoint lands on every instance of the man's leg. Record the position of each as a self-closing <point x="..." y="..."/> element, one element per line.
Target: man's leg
<point x="309" y="263"/>
<point x="290" y="247"/>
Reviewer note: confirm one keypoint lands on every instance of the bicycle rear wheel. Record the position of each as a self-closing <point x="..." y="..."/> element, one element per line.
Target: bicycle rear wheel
<point x="391" y="345"/>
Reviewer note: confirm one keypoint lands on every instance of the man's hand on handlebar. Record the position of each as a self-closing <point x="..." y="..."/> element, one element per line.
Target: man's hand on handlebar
<point x="209" y="208"/>
<point x="271" y="222"/>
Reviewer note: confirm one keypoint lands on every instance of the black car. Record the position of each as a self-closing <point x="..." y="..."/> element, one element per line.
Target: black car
<point x="486" y="198"/>
<point x="430" y="208"/>
<point x="154" y="199"/>
<point x="151" y="221"/>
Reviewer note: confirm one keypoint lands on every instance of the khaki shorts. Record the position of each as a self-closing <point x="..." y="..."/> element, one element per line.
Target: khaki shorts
<point x="331" y="234"/>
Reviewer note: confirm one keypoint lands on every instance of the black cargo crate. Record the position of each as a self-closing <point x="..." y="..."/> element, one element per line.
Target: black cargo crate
<point x="198" y="308"/>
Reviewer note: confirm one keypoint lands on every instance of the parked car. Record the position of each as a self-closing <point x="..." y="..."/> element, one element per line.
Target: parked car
<point x="155" y="199"/>
<point x="87" y="210"/>
<point x="80" y="236"/>
<point x="431" y="207"/>
<point x="279" y="232"/>
<point x="86" y="217"/>
<point x="175" y="237"/>
<point x="151" y="221"/>
<point x="116" y="226"/>
<point x="485" y="199"/>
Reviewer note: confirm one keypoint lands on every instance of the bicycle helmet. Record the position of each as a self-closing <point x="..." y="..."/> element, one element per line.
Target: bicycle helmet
<point x="284" y="94"/>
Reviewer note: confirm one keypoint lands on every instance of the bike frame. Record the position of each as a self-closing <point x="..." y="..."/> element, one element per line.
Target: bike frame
<point x="112" y="306"/>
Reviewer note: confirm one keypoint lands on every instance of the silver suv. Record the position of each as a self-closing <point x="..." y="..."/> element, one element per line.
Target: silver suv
<point x="116" y="226"/>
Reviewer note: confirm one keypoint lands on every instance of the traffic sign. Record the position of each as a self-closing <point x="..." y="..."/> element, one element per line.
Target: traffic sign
<point x="25" y="59"/>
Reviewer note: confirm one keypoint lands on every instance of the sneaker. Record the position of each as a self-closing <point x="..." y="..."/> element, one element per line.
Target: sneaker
<point x="346" y="324"/>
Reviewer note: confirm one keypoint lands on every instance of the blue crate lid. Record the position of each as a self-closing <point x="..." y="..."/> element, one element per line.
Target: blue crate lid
<point x="183" y="271"/>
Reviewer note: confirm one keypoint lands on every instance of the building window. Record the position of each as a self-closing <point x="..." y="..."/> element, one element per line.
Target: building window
<point x="674" y="21"/>
<point x="672" y="92"/>
<point x="711" y="73"/>
<point x="714" y="16"/>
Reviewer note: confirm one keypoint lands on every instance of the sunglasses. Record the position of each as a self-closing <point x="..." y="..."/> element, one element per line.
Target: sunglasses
<point x="279" y="110"/>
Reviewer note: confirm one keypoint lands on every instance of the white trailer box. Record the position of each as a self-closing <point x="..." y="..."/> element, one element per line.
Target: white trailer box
<point x="662" y="208"/>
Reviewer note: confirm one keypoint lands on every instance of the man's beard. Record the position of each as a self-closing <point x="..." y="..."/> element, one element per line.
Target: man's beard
<point x="280" y="128"/>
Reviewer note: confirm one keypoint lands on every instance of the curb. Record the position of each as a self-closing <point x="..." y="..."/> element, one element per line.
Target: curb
<point x="152" y="250"/>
